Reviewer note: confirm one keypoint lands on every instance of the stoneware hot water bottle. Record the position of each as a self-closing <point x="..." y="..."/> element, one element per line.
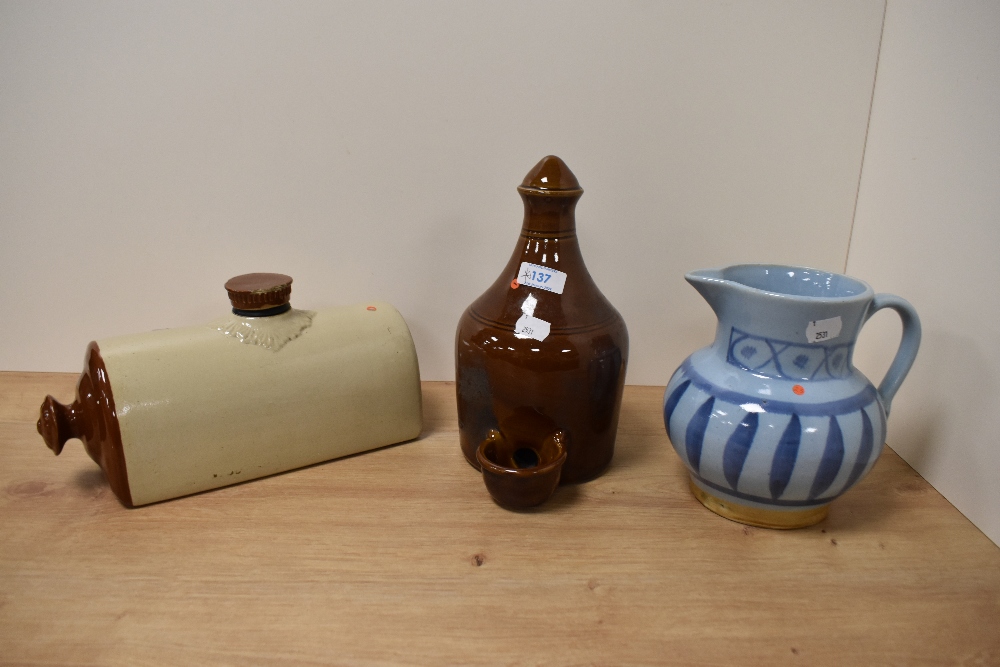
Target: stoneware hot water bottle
<point x="263" y="389"/>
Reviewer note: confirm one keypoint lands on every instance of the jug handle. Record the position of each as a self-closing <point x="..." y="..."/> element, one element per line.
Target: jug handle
<point x="908" y="345"/>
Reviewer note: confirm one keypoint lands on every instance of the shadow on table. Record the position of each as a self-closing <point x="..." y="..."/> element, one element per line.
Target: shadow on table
<point x="91" y="480"/>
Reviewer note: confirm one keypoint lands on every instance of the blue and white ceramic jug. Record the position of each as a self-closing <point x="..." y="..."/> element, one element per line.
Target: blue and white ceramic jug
<point x="773" y="420"/>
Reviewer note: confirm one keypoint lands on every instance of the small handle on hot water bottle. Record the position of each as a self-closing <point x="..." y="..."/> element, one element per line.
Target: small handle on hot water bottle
<point x="58" y="423"/>
<point x="908" y="345"/>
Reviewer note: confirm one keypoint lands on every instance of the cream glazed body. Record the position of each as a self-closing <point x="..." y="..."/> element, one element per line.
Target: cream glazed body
<point x="245" y="396"/>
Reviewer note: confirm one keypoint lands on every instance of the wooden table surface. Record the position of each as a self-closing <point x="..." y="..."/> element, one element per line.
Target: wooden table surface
<point x="399" y="556"/>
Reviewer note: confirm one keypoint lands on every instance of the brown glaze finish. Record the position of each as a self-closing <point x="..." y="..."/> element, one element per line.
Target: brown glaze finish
<point x="92" y="419"/>
<point x="570" y="382"/>
<point x="519" y="477"/>
<point x="259" y="291"/>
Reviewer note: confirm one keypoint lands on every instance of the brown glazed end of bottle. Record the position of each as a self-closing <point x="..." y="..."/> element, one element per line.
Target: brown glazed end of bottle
<point x="91" y="418"/>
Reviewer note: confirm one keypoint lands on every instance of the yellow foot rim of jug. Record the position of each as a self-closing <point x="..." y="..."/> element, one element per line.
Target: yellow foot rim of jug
<point x="755" y="516"/>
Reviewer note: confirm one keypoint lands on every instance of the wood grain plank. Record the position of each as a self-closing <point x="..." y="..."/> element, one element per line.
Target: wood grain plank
<point x="398" y="556"/>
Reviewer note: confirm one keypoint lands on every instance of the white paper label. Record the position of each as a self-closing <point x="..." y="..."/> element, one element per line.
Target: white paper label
<point x="529" y="326"/>
<point x="819" y="331"/>
<point x="541" y="277"/>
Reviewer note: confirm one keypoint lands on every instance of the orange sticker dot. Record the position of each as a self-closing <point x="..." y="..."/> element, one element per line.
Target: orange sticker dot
<point x="514" y="284"/>
<point x="372" y="308"/>
<point x="799" y="390"/>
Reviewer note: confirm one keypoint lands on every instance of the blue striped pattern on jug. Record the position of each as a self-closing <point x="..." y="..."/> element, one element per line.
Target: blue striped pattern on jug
<point x="773" y="453"/>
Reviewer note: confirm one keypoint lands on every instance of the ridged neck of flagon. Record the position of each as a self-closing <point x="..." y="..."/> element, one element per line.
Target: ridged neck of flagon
<point x="549" y="213"/>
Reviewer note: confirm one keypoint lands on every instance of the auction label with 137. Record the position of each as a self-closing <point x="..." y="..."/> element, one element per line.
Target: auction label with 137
<point x="541" y="277"/>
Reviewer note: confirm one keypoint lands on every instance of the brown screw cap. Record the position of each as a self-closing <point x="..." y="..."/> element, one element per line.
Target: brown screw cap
<point x="259" y="291"/>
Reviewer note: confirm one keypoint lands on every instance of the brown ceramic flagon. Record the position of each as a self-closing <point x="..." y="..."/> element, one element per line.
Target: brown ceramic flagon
<point x="542" y="350"/>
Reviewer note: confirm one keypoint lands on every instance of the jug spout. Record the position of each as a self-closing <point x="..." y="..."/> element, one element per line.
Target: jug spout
<point x="711" y="285"/>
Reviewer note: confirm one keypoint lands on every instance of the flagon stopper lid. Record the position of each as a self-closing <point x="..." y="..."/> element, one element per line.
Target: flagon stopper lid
<point x="551" y="176"/>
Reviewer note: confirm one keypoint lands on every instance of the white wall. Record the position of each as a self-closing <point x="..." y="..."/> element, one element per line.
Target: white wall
<point x="149" y="151"/>
<point x="928" y="229"/>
